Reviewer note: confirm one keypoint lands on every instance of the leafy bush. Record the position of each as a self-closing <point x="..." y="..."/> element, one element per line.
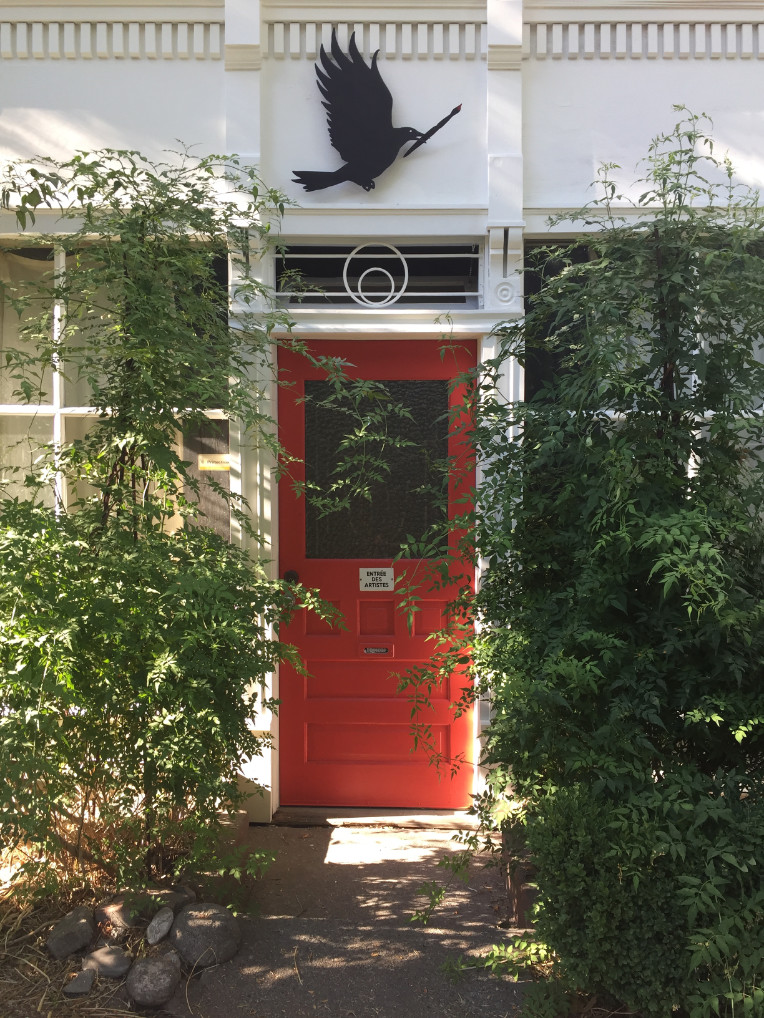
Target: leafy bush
<point x="596" y="903"/>
<point x="131" y="671"/>
<point x="133" y="648"/>
<point x="621" y="629"/>
<point x="657" y="901"/>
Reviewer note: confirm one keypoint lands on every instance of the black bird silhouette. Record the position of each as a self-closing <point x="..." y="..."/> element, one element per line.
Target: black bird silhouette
<point x="360" y="118"/>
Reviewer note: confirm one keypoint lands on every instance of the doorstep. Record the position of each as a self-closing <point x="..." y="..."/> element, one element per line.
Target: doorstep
<point x="333" y="816"/>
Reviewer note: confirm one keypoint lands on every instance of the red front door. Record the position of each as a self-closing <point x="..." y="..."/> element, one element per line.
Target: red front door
<point x="344" y="731"/>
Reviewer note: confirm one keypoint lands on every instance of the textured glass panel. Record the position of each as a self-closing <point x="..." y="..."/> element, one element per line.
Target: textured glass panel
<point x="399" y="504"/>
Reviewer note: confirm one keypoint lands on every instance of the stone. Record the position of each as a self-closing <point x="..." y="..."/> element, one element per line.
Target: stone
<point x="72" y="933"/>
<point x="116" y="916"/>
<point x="160" y="925"/>
<point x="111" y="962"/>
<point x="174" y="897"/>
<point x="165" y="951"/>
<point x="205" y="934"/>
<point x="152" y="981"/>
<point x="81" y="985"/>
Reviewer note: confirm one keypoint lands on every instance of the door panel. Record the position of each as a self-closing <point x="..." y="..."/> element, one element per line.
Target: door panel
<point x="345" y="736"/>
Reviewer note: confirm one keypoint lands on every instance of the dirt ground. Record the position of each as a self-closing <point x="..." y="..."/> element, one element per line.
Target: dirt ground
<point x="329" y="932"/>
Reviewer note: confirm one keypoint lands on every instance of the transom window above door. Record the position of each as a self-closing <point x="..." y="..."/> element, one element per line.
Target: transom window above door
<point x="380" y="275"/>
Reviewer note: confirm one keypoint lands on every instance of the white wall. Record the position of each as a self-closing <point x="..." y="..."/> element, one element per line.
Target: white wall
<point x="580" y="113"/>
<point x="59" y="107"/>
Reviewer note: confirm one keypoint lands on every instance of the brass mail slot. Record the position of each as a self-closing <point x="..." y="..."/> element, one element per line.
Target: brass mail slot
<point x="377" y="650"/>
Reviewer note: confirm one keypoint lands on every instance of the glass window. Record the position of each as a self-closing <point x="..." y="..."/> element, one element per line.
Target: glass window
<point x="403" y="501"/>
<point x="22" y="272"/>
<point x="379" y="275"/>
<point x="58" y="398"/>
<point x="207" y="449"/>
<point x="24" y="443"/>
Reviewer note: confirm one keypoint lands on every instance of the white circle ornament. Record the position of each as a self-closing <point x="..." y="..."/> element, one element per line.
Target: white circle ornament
<point x="392" y="294"/>
<point x="505" y="292"/>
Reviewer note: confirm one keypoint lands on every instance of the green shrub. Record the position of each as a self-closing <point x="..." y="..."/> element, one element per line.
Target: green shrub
<point x="614" y="936"/>
<point x="133" y="648"/>
<point x="130" y="674"/>
<point x="135" y="641"/>
<point x="654" y="901"/>
<point x="621" y="637"/>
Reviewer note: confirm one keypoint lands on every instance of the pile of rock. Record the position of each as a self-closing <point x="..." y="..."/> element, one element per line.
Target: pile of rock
<point x="183" y="933"/>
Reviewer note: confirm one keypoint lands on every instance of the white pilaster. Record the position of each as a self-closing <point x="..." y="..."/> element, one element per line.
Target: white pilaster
<point x="503" y="290"/>
<point x="243" y="58"/>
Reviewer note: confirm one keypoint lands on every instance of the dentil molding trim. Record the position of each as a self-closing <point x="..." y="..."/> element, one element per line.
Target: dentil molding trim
<point x="618" y="40"/>
<point x="84" y="9"/>
<point x="107" y="40"/>
<point x="403" y="40"/>
<point x="642" y="10"/>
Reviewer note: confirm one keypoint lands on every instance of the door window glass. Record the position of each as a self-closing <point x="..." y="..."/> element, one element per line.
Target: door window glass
<point x="404" y="500"/>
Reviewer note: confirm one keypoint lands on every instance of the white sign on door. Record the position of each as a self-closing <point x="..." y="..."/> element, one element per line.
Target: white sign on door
<point x="376" y="579"/>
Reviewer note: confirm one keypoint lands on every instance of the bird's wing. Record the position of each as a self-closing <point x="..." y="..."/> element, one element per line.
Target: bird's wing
<point x="358" y="103"/>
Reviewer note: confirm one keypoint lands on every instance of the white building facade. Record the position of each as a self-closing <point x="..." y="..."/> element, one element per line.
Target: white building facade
<point x="548" y="90"/>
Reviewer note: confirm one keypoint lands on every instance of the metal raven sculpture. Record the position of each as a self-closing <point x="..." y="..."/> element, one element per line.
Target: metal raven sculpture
<point x="360" y="117"/>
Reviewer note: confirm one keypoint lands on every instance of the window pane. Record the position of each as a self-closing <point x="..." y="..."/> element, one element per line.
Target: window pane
<point x="542" y="365"/>
<point x="207" y="449"/>
<point x="75" y="429"/>
<point x="23" y="442"/>
<point x="426" y="276"/>
<point x="91" y="325"/>
<point x="21" y="274"/>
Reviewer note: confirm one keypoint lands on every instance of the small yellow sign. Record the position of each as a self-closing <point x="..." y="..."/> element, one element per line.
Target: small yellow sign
<point x="216" y="461"/>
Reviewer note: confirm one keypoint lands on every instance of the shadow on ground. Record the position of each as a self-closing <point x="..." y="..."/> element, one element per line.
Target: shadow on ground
<point x="329" y="933"/>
